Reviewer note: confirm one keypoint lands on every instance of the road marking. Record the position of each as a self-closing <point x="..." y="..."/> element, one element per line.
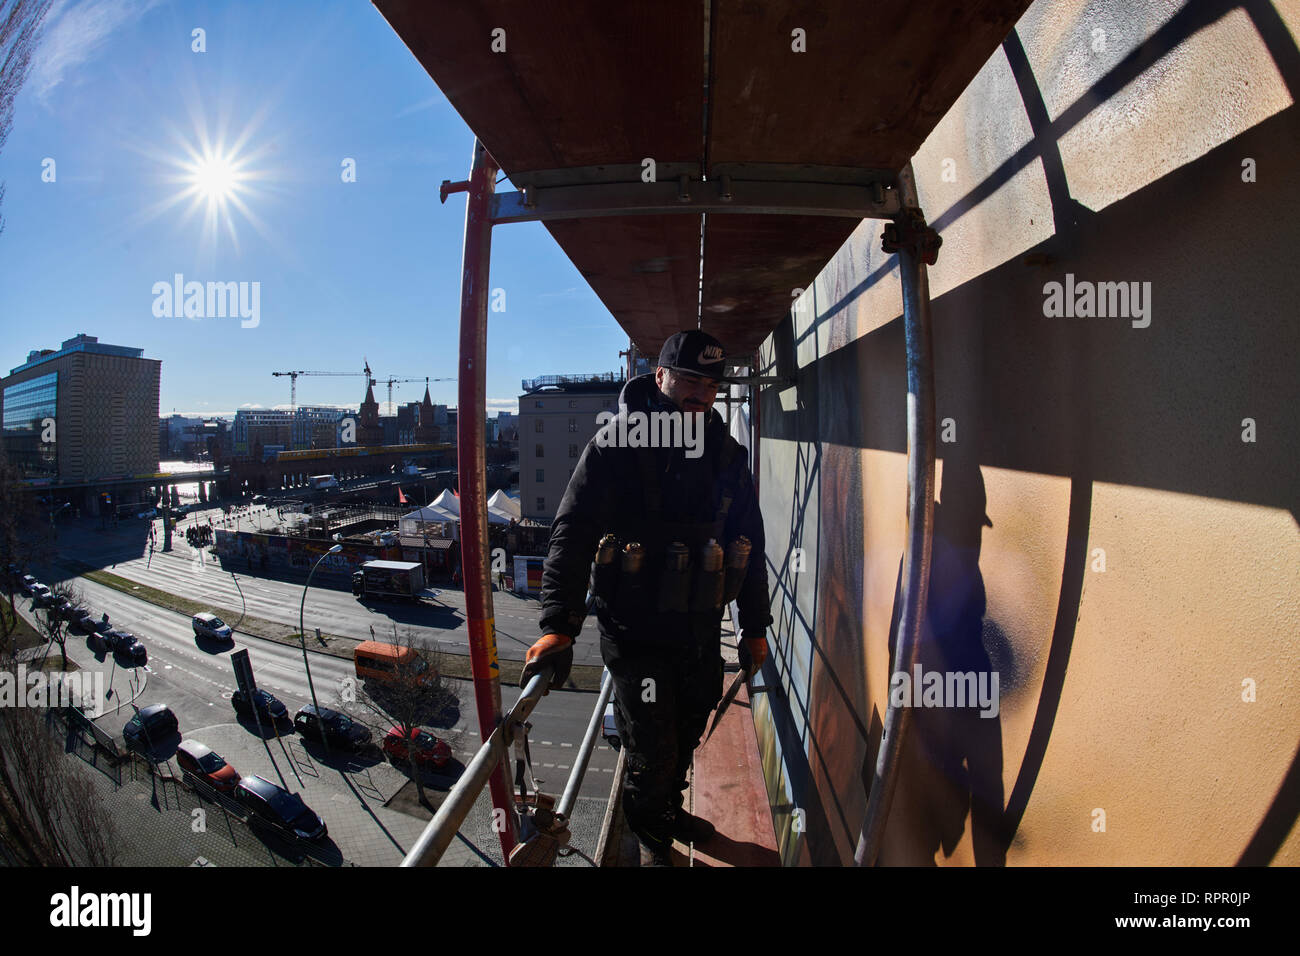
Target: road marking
<point x="563" y="744"/>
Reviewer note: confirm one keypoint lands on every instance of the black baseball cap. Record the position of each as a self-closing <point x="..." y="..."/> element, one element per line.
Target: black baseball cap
<point x="696" y="352"/>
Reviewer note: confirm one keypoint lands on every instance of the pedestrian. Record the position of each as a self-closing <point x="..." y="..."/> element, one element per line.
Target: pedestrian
<point x="677" y="534"/>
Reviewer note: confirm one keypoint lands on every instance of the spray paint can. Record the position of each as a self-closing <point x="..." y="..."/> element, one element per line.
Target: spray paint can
<point x="632" y="601"/>
<point x="604" y="574"/>
<point x="675" y="582"/>
<point x="709" y="581"/>
<point x="737" y="567"/>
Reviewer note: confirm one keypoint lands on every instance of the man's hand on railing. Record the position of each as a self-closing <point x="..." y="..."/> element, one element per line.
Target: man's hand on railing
<point x="553" y="649"/>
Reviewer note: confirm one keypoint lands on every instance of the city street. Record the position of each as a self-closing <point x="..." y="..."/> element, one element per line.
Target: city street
<point x="195" y="679"/>
<point x="194" y="573"/>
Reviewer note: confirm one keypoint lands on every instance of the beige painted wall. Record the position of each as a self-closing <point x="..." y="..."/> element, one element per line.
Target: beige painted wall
<point x="1122" y="688"/>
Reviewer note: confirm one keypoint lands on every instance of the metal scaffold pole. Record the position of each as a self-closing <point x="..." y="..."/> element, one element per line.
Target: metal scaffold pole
<point x="916" y="244"/>
<point x="471" y="427"/>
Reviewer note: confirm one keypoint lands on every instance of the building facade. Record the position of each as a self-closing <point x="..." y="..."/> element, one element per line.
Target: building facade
<point x="557" y="417"/>
<point x="315" y="426"/>
<point x="82" y="412"/>
<point x="258" y="429"/>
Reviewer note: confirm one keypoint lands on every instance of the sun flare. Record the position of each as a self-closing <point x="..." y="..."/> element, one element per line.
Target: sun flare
<point x="215" y="178"/>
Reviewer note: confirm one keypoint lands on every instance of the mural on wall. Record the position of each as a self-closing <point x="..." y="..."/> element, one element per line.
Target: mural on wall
<point x="1096" y="433"/>
<point x="838" y="695"/>
<point x="244" y="549"/>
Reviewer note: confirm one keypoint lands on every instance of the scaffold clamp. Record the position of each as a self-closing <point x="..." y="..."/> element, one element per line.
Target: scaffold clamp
<point x="910" y="231"/>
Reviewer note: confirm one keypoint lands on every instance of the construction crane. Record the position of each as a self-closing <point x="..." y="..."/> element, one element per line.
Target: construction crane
<point x="390" y="381"/>
<point x="293" y="381"/>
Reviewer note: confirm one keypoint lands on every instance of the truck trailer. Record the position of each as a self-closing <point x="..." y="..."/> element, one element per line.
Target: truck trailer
<point x="389" y="579"/>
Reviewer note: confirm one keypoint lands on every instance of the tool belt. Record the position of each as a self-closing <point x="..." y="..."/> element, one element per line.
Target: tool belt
<point x="654" y="567"/>
<point x="692" y="574"/>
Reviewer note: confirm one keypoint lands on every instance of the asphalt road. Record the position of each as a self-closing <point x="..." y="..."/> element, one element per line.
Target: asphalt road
<point x="194" y="677"/>
<point x="330" y="605"/>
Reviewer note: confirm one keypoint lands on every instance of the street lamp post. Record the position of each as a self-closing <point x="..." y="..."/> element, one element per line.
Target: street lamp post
<point x="302" y="631"/>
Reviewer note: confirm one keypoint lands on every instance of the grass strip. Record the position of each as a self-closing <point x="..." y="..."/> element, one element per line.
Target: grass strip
<point x="23" y="633"/>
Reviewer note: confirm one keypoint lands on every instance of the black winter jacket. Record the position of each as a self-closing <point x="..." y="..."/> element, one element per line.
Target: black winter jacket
<point x="607" y="495"/>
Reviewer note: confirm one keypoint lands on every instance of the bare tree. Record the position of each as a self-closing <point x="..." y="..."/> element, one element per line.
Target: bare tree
<point x="24" y="536"/>
<point x="414" y="695"/>
<point x="20" y="33"/>
<point x="54" y="623"/>
<point x="50" y="814"/>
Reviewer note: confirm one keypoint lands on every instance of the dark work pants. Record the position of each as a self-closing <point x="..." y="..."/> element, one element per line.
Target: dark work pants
<point x="663" y="696"/>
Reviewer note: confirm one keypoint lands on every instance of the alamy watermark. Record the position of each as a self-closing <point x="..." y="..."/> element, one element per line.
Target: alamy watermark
<point x="84" y="689"/>
<point x="652" y="430"/>
<point x="179" y="299"/>
<point x="77" y="909"/>
<point x="1085" y="299"/>
<point x="945" y="689"/>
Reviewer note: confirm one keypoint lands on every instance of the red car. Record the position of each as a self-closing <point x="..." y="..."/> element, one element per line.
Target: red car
<point x="206" y="765"/>
<point x="427" y="749"/>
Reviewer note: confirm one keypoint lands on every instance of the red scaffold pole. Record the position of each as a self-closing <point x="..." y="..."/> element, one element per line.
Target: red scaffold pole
<point x="471" y="424"/>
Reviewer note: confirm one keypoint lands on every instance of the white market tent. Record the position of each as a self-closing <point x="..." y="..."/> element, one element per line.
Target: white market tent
<point x="503" y="506"/>
<point x="446" y="507"/>
<point x="421" y="518"/>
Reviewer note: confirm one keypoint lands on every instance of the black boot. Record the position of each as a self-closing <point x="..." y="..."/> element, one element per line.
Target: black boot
<point x="654" y="850"/>
<point x="692" y="829"/>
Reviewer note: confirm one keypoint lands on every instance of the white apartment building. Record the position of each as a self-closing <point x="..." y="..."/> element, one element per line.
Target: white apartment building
<point x="557" y="417"/>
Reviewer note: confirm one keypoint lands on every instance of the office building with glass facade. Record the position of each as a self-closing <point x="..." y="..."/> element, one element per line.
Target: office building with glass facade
<point x="83" y="412"/>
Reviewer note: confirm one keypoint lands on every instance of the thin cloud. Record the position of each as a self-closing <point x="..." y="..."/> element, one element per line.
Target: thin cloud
<point x="422" y="105"/>
<point x="74" y="33"/>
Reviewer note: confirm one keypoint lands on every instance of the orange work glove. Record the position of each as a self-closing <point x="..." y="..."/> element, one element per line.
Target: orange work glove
<point x="753" y="651"/>
<point x="554" y="649"/>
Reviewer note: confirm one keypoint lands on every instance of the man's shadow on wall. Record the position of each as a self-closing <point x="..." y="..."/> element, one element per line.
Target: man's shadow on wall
<point x="952" y="758"/>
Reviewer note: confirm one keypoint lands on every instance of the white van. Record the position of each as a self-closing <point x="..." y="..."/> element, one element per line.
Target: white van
<point x="209" y="625"/>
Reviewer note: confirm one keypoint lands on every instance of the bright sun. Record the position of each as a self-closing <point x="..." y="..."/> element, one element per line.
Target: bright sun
<point x="216" y="181"/>
<point x="215" y="178"/>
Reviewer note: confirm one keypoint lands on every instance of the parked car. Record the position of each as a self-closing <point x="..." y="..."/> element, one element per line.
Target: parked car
<point x="269" y="707"/>
<point x="265" y="801"/>
<point x="206" y="765"/>
<point x="27" y="582"/>
<point x="114" y="639"/>
<point x="208" y="624"/>
<point x="60" y="607"/>
<point x="134" y="652"/>
<point x="83" y="620"/>
<point x="420" y="745"/>
<point x="329" y="726"/>
<point x="41" y="595"/>
<point x="259" y="499"/>
<point x="152" y="724"/>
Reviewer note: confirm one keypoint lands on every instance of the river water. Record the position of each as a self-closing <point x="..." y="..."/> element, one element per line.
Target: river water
<point x="187" y="492"/>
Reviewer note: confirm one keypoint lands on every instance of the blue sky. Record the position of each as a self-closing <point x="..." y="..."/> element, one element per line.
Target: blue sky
<point x="286" y="91"/>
